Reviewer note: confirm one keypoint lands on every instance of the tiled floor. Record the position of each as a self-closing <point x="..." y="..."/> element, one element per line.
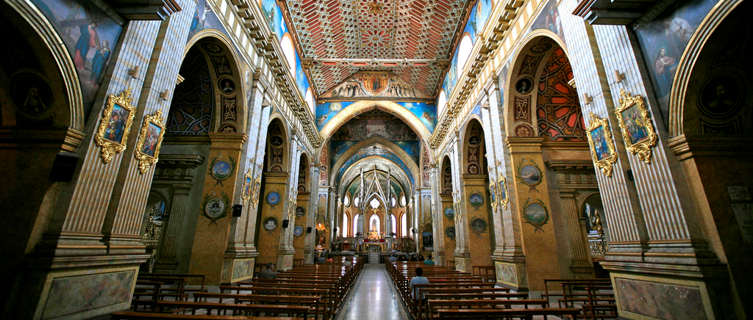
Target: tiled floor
<point x="373" y="297"/>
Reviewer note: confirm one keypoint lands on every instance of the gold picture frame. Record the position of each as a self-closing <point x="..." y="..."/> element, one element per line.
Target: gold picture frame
<point x="636" y="126"/>
<point x="248" y="185"/>
<point x="112" y="133"/>
<point x="255" y="192"/>
<point x="503" y="195"/>
<point x="150" y="141"/>
<point x="493" y="194"/>
<point x="602" y="145"/>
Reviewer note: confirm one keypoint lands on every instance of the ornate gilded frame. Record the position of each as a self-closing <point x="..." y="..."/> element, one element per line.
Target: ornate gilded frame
<point x="108" y="148"/>
<point x="642" y="147"/>
<point x="493" y="195"/>
<point x="145" y="160"/>
<point x="608" y="161"/>
<point x="255" y="192"/>
<point x="248" y="186"/>
<point x="502" y="187"/>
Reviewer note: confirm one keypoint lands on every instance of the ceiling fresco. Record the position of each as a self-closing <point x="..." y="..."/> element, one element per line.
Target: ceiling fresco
<point x="426" y="113"/>
<point x="370" y="124"/>
<point x="374" y="85"/>
<point x="375" y="150"/>
<point x="413" y="39"/>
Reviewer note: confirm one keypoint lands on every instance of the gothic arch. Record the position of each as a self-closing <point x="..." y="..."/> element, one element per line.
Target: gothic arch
<point x="399" y="152"/>
<point x="278" y="149"/>
<point x="474" y="161"/>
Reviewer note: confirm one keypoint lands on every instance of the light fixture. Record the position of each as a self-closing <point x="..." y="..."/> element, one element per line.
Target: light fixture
<point x="320" y="227"/>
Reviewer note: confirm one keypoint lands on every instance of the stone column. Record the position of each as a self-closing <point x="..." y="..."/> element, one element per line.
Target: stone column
<point x="311" y="214"/>
<point x="580" y="264"/>
<point x="437" y="217"/>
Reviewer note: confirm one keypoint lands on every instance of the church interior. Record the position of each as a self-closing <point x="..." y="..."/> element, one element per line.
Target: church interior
<point x="301" y="159"/>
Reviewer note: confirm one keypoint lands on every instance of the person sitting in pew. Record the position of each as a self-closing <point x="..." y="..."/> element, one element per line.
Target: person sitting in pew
<point x="418" y="279"/>
<point x="428" y="261"/>
<point x="268" y="272"/>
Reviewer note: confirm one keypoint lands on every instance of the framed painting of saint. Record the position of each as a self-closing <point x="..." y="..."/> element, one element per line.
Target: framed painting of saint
<point x="113" y="129"/>
<point x="602" y="145"/>
<point x="637" y="128"/>
<point x="150" y="141"/>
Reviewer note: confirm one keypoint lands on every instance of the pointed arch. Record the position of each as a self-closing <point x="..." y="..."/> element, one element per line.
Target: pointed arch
<point x="394" y="148"/>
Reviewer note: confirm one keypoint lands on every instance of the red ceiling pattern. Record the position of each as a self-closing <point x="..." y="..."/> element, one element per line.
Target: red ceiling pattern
<point x="333" y="34"/>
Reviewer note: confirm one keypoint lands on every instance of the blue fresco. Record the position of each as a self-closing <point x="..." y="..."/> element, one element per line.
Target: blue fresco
<point x="425" y="112"/>
<point x="476" y="110"/>
<point x="549" y="18"/>
<point x="90" y="37"/>
<point x="477" y="19"/>
<point x="326" y="111"/>
<point x="663" y="43"/>
<point x="273" y="15"/>
<point x="204" y="18"/>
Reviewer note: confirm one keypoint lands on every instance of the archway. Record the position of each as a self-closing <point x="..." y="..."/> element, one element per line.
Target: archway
<point x="552" y="166"/>
<point x="302" y="214"/>
<point x="271" y="217"/>
<point x="41" y="124"/>
<point x="448" y="211"/>
<point x="713" y="123"/>
<point x="198" y="144"/>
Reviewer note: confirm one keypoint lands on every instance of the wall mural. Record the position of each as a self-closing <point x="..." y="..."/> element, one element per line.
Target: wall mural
<point x="90" y="37"/>
<point x="375" y="150"/>
<point x="663" y="42"/>
<point x="557" y="107"/>
<point x="204" y="18"/>
<point x="373" y="84"/>
<point x="476" y="22"/>
<point x="374" y="123"/>
<point x="549" y="18"/>
<point x="425" y="112"/>
<point x="276" y="23"/>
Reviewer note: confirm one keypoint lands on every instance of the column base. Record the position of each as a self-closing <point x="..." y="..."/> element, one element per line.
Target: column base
<point x="285" y="260"/>
<point x="511" y="272"/>
<point x="238" y="265"/>
<point x="463" y="264"/>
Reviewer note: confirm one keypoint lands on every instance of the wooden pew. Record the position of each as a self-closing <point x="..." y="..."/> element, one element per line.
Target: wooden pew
<point x="313" y="302"/>
<point x="487" y="313"/>
<point x="128" y="315"/>
<point x="234" y="308"/>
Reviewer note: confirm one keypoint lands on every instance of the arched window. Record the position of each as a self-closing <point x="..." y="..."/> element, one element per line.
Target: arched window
<point x="441" y="102"/>
<point x="357" y="201"/>
<point x="404" y="224"/>
<point x="393" y="223"/>
<point x="346" y="201"/>
<point x="286" y="44"/>
<point x="310" y="100"/>
<point x="393" y="201"/>
<point x="374" y="223"/>
<point x="374" y="203"/>
<point x="464" y="51"/>
<point x="403" y="201"/>
<point x="344" y="228"/>
<point x="355" y="224"/>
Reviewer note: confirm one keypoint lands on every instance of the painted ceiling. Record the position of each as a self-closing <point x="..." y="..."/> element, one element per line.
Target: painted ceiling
<point x="379" y="151"/>
<point x="412" y="39"/>
<point x="374" y="123"/>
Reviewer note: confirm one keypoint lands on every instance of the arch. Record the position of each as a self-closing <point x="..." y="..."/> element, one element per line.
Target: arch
<point x="399" y="152"/>
<point x="223" y="62"/>
<point x="277" y="147"/>
<point x="474" y="149"/>
<point x="362" y="106"/>
<point x="51" y="40"/>
<point x="558" y="117"/>
<point x="441" y="101"/>
<point x="688" y="60"/>
<point x="351" y="173"/>
<point x="446" y="180"/>
<point x="375" y="221"/>
<point x="344" y="230"/>
<point x="303" y="173"/>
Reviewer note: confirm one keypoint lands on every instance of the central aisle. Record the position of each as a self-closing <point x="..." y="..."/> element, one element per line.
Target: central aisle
<point x="373" y="297"/>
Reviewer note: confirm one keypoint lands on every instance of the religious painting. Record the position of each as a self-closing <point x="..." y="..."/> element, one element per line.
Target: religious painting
<point x="637" y="128"/>
<point x="298" y="231"/>
<point x="449" y="213"/>
<point x="425" y="112"/>
<point x="203" y="18"/>
<point x="215" y="206"/>
<point x="663" y="42"/>
<point x="150" y="141"/>
<point x="113" y="129"/>
<point x="478" y="225"/>
<point x="549" y="18"/>
<point x="524" y="85"/>
<point x="273" y="198"/>
<point x="602" y="147"/>
<point x="221" y="169"/>
<point x="476" y="199"/>
<point x="721" y="97"/>
<point x="247" y="185"/>
<point x="326" y="111"/>
<point x="374" y="85"/>
<point x="90" y="36"/>
<point x="502" y="189"/>
<point x="493" y="193"/>
<point x="270" y="224"/>
<point x="32" y="97"/>
<point x="535" y="213"/>
<point x="450" y="232"/>
<point x="529" y="172"/>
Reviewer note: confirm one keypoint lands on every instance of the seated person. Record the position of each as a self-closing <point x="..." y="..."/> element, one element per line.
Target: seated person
<point x="418" y="279"/>
<point x="268" y="271"/>
<point x="428" y="261"/>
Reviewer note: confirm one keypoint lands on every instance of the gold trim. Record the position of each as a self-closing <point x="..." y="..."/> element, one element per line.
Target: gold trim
<point x="641" y="148"/>
<point x="248" y="181"/>
<point x="524" y="162"/>
<point x="110" y="147"/>
<point x="145" y="160"/>
<point x="604" y="164"/>
<point x="495" y="193"/>
<point x="502" y="185"/>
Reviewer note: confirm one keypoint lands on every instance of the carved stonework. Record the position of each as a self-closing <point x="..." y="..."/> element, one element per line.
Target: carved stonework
<point x="522" y="111"/>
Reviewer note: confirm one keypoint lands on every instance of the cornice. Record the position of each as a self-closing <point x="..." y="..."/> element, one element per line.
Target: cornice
<point x="483" y="50"/>
<point x="264" y="41"/>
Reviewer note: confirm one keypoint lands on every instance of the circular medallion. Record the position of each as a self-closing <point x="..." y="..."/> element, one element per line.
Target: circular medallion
<point x="273" y="198"/>
<point x="524" y="85"/>
<point x="215" y="208"/>
<point x="478" y="225"/>
<point x="476" y="199"/>
<point x="226" y="85"/>
<point x="270" y="224"/>
<point x="300" y="212"/>
<point x="536" y="214"/>
<point x="221" y="169"/>
<point x="449" y="212"/>
<point x="530" y="175"/>
<point x="298" y="231"/>
<point x="450" y="232"/>
<point x="720" y="97"/>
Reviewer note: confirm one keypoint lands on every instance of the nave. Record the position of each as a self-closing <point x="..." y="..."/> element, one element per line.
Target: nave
<point x="373" y="297"/>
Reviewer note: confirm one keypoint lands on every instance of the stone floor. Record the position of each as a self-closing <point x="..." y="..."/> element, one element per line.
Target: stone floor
<point x="373" y="296"/>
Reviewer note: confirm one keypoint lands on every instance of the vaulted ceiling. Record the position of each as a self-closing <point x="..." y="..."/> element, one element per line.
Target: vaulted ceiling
<point x="410" y="38"/>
